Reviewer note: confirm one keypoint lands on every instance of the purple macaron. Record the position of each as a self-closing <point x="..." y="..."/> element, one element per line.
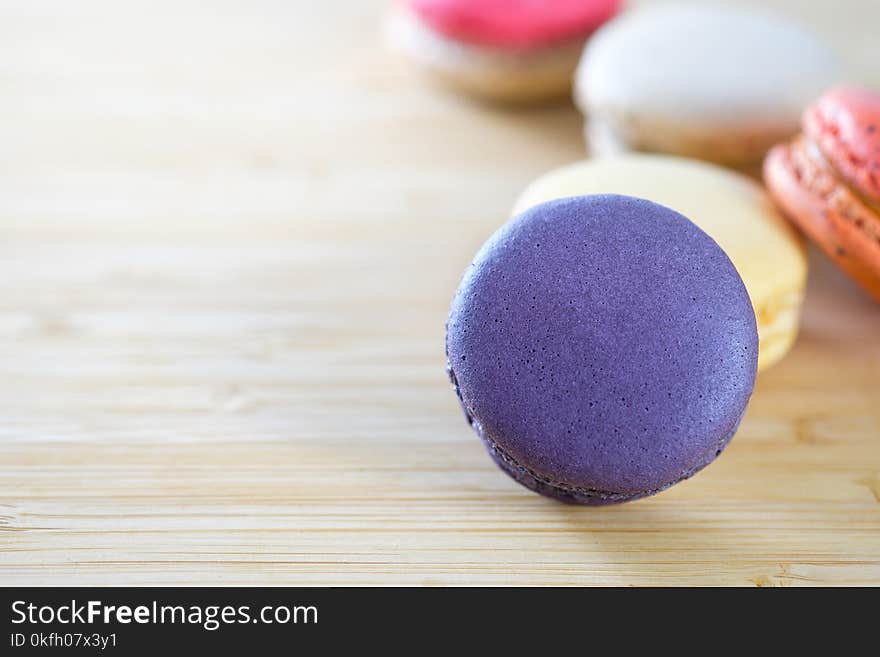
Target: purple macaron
<point x="603" y="347"/>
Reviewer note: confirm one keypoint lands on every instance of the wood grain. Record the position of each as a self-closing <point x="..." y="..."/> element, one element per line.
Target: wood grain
<point x="229" y="240"/>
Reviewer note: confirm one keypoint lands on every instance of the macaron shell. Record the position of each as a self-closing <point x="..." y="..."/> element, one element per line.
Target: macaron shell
<point x="845" y="124"/>
<point x="517" y="24"/>
<point x="716" y="82"/>
<point x="838" y="221"/>
<point x="573" y="495"/>
<point x="605" y="343"/>
<point x="731" y="208"/>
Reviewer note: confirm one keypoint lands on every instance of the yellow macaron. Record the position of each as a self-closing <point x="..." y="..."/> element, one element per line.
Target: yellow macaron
<point x="731" y="208"/>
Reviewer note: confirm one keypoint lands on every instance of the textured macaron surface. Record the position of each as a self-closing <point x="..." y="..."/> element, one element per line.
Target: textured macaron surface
<point x="704" y="65"/>
<point x="514" y="23"/>
<point x="733" y="209"/>
<point x="845" y="125"/>
<point x="603" y="343"/>
<point x="838" y="219"/>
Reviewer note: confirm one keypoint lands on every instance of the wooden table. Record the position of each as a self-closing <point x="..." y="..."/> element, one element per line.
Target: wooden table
<point x="230" y="234"/>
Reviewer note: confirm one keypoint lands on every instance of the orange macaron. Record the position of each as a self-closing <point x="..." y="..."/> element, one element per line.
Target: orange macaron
<point x="827" y="180"/>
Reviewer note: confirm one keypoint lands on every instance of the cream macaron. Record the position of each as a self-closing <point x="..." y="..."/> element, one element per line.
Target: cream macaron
<point x="713" y="82"/>
<point x="729" y="207"/>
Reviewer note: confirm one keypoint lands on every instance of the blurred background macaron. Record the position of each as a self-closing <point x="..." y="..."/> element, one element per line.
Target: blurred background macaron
<point x="714" y="82"/>
<point x="503" y="50"/>
<point x="827" y="180"/>
<point x="730" y="207"/>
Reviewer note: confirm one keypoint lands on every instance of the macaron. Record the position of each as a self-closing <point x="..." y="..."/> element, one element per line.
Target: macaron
<point x="734" y="210"/>
<point x="827" y="180"/>
<point x="502" y="50"/>
<point x="714" y="82"/>
<point x="602" y="347"/>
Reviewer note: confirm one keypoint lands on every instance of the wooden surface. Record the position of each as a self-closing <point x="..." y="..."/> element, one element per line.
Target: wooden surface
<point x="229" y="240"/>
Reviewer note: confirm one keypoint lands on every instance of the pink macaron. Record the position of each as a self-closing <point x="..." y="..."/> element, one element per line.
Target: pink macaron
<point x="827" y="180"/>
<point x="514" y="24"/>
<point x="509" y="50"/>
<point x="845" y="125"/>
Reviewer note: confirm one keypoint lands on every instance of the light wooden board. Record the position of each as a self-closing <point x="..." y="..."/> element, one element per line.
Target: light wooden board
<point x="230" y="233"/>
